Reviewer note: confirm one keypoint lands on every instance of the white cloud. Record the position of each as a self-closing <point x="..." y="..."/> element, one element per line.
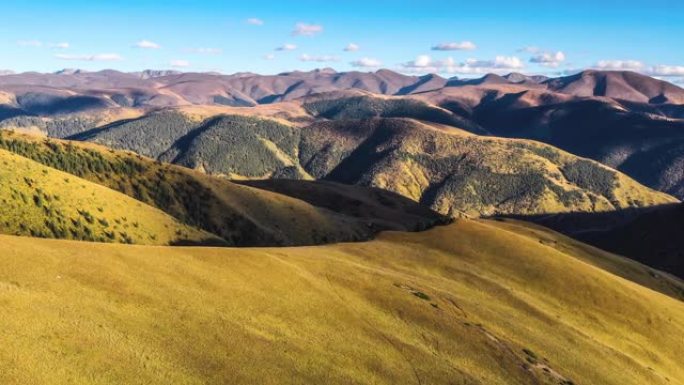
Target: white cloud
<point x="455" y="46"/>
<point x="287" y="47"/>
<point x="620" y="65"/>
<point x="179" y="63"/>
<point x="666" y="70"/>
<point x="351" y="47"/>
<point x="548" y="59"/>
<point x="146" y="44"/>
<point x="269" y="56"/>
<point x="303" y="29"/>
<point x="658" y="70"/>
<point x="97" y="57"/>
<point x="320" y="59"/>
<point x="366" y="62"/>
<point x="29" y="43"/>
<point x="499" y="64"/>
<point x="206" y="51"/>
<point x="255" y="21"/>
<point x="62" y="45"/>
<point x="422" y="61"/>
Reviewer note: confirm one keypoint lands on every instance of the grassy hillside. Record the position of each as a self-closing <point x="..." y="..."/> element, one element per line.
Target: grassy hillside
<point x="455" y="172"/>
<point x="652" y="235"/>
<point x="240" y="215"/>
<point x="240" y="147"/>
<point x="466" y="309"/>
<point x="366" y="107"/>
<point x="43" y="202"/>
<point x="641" y="140"/>
<point x="234" y="145"/>
<point x="439" y="165"/>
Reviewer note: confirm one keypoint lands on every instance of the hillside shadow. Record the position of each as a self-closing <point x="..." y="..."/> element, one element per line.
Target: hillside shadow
<point x="653" y="235"/>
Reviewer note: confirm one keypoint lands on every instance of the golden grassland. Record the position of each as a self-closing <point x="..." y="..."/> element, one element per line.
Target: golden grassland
<point x="475" y="302"/>
<point x="44" y="202"/>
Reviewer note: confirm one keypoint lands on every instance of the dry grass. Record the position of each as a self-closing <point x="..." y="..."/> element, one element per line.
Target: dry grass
<point x="477" y="302"/>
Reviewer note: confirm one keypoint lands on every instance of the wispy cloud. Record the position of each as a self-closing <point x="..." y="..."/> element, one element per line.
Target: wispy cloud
<point x="254" y="21"/>
<point x="96" y="57"/>
<point x="666" y="70"/>
<point x="620" y="65"/>
<point x="179" y="63"/>
<point x="455" y="46"/>
<point x="287" y="47"/>
<point x="303" y="29"/>
<point x="499" y="64"/>
<point x="351" y="47"/>
<point x="206" y="51"/>
<point x="548" y="59"/>
<point x="146" y="44"/>
<point x="320" y="59"/>
<point x="657" y="70"/>
<point x="29" y="43"/>
<point x="366" y="62"/>
<point x="269" y="56"/>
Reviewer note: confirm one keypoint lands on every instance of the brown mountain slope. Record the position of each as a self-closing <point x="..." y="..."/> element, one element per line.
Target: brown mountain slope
<point x="645" y="141"/>
<point x="622" y="85"/>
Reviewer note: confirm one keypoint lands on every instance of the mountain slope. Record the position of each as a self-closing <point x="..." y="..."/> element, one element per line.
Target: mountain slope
<point x="623" y="85"/>
<point x="647" y="147"/>
<point x="240" y="215"/>
<point x="653" y="236"/>
<point x="431" y="161"/>
<point x="455" y="172"/>
<point x="468" y="308"/>
<point x="43" y="202"/>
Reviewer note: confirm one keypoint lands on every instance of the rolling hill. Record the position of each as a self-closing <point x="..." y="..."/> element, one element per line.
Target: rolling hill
<point x="360" y="140"/>
<point x="238" y="215"/>
<point x="625" y="120"/>
<point x="455" y="172"/>
<point x="468" y="308"/>
<point x="43" y="202"/>
<point x="651" y="235"/>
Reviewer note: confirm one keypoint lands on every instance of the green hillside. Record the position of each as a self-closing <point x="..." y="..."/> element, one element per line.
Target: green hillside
<point x="239" y="215"/>
<point x="477" y="302"/>
<point x="458" y="173"/>
<point x="371" y="141"/>
<point x="43" y="202"/>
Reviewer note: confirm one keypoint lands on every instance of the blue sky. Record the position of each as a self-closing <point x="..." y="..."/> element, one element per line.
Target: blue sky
<point x="475" y="37"/>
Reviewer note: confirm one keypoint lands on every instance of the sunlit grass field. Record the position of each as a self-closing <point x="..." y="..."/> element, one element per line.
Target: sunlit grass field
<point x="476" y="302"/>
<point x="43" y="202"/>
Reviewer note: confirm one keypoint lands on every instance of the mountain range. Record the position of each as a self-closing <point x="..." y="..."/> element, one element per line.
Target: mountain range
<point x="325" y="227"/>
<point x="497" y="145"/>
